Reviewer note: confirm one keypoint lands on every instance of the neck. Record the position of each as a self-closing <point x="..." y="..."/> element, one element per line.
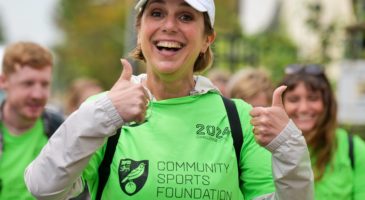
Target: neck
<point x="16" y="124"/>
<point x="167" y="88"/>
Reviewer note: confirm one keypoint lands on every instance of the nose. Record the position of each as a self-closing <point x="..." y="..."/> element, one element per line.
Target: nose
<point x="303" y="106"/>
<point x="170" y="24"/>
<point x="39" y="92"/>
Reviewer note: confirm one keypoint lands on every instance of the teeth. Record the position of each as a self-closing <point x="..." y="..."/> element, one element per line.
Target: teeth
<point x="304" y="117"/>
<point x="166" y="44"/>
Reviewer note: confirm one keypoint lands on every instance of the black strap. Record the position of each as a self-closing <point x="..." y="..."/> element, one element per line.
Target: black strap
<point x="351" y="150"/>
<point x="104" y="168"/>
<point x="51" y="121"/>
<point x="236" y="129"/>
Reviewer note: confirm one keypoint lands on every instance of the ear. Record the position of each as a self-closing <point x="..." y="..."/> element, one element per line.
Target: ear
<point x="138" y="38"/>
<point x="209" y="40"/>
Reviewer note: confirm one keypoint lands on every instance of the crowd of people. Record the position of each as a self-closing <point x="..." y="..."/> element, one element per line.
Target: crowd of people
<point x="170" y="133"/>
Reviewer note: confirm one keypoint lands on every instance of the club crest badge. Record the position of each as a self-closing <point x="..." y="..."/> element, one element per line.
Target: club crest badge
<point x="132" y="175"/>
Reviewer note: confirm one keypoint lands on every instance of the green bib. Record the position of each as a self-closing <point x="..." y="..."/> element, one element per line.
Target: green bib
<point x="183" y="151"/>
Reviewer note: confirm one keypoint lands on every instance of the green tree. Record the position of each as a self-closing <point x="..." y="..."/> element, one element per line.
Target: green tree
<point x="93" y="40"/>
<point x="226" y="20"/>
<point x="272" y="49"/>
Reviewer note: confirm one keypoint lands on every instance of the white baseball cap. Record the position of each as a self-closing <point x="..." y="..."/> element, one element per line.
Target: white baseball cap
<point x="199" y="5"/>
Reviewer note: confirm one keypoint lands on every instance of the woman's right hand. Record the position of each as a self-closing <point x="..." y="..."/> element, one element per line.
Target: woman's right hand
<point x="268" y="122"/>
<point x="130" y="99"/>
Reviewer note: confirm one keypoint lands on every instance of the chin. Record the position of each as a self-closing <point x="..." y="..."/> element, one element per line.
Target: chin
<point x="33" y="115"/>
<point x="306" y="128"/>
<point x="167" y="68"/>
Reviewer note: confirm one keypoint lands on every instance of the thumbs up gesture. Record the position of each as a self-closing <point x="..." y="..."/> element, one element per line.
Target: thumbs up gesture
<point x="130" y="99"/>
<point x="270" y="121"/>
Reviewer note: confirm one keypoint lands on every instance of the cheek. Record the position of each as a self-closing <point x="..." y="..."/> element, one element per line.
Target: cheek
<point x="17" y="95"/>
<point x="195" y="34"/>
<point x="318" y="106"/>
<point x="290" y="108"/>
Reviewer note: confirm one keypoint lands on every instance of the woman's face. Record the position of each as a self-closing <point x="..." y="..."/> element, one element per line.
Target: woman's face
<point x="304" y="107"/>
<point x="172" y="36"/>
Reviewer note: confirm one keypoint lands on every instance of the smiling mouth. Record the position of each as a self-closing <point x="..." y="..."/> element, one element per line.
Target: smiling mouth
<point x="305" y="117"/>
<point x="169" y="46"/>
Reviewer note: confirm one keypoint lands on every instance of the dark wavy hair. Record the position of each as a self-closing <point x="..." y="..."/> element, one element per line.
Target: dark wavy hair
<point x="203" y="62"/>
<point x="321" y="140"/>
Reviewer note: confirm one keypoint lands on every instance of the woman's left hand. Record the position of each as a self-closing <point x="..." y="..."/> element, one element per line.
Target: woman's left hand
<point x="268" y="122"/>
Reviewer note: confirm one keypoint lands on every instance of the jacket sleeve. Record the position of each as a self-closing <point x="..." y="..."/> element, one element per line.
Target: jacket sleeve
<point x="56" y="172"/>
<point x="291" y="166"/>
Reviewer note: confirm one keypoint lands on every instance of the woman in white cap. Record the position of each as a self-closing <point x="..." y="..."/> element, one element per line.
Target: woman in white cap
<point x="166" y="134"/>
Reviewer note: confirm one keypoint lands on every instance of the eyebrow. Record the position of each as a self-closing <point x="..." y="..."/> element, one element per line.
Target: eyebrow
<point x="157" y="1"/>
<point x="164" y="2"/>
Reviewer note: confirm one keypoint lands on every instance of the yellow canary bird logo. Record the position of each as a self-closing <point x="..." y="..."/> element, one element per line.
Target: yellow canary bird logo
<point x="135" y="173"/>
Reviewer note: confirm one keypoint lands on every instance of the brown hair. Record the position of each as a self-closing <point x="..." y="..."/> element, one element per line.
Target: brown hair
<point x="203" y="62"/>
<point x="22" y="54"/>
<point x="249" y="82"/>
<point x="321" y="139"/>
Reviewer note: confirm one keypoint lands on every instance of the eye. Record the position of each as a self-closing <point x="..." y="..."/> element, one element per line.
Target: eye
<point x="314" y="97"/>
<point x="186" y="17"/>
<point x="292" y="99"/>
<point x="45" y="84"/>
<point x="156" y="13"/>
<point x="27" y="83"/>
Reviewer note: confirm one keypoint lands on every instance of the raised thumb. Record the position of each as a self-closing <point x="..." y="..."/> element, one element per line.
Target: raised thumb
<point x="127" y="70"/>
<point x="277" y="99"/>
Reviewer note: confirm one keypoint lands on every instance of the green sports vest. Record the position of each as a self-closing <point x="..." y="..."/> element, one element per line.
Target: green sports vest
<point x="184" y="151"/>
<point x="341" y="181"/>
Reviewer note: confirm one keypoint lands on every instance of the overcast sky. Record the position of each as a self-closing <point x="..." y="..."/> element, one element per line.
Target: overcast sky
<point x="29" y="20"/>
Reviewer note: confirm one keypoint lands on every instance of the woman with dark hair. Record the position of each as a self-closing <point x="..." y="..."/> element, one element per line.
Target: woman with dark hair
<point x="170" y="130"/>
<point x="337" y="159"/>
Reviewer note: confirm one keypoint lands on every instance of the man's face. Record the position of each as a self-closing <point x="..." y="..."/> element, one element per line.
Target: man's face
<point x="27" y="91"/>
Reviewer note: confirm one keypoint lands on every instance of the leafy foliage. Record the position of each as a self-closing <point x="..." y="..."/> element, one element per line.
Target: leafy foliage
<point x="226" y="21"/>
<point x="94" y="40"/>
<point x="272" y="50"/>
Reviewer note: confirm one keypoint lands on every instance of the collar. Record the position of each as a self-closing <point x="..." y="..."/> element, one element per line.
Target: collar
<point x="202" y="85"/>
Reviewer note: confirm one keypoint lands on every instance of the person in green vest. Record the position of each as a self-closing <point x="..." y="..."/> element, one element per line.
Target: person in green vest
<point x="25" y="125"/>
<point x="170" y="130"/>
<point x="337" y="157"/>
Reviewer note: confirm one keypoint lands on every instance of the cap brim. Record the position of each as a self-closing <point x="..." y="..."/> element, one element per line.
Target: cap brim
<point x="194" y="3"/>
<point x="199" y="6"/>
<point x="140" y="4"/>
